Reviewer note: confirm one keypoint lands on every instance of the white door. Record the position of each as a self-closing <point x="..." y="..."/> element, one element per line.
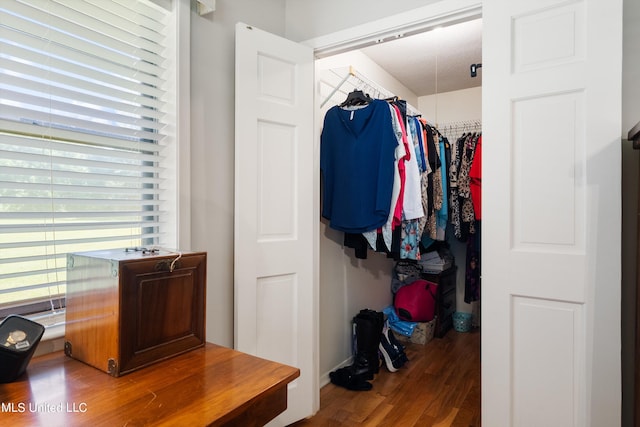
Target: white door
<point x="275" y="213"/>
<point x="551" y="213"/>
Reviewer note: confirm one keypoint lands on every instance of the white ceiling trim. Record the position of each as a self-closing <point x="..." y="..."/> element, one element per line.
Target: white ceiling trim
<point x="415" y="21"/>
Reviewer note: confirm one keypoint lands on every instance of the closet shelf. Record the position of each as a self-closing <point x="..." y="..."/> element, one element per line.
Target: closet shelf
<point x="634" y="136"/>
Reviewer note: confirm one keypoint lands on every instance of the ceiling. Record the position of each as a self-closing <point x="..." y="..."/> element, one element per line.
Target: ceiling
<point x="435" y="61"/>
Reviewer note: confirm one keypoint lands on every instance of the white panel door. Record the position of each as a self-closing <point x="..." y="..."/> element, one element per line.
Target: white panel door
<point x="551" y="213"/>
<point x="275" y="221"/>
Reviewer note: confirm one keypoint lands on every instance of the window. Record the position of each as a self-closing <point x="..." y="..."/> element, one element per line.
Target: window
<point x="85" y="149"/>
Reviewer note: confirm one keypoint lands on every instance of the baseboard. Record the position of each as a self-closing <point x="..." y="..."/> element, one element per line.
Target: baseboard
<point x="324" y="378"/>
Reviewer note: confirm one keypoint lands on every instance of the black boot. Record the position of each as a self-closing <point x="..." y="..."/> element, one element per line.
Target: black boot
<point x="344" y="377"/>
<point x="368" y="329"/>
<point x="369" y="324"/>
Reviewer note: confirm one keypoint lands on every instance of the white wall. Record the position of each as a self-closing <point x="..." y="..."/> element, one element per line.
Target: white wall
<point x="212" y="145"/>
<point x="459" y="105"/>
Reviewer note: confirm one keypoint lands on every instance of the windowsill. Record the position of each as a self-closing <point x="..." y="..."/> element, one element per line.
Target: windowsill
<point x="53" y="338"/>
<point x="51" y="342"/>
<point x="53" y="332"/>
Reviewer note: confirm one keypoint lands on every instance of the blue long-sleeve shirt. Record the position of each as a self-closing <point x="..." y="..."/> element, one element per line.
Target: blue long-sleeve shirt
<point x="357" y="163"/>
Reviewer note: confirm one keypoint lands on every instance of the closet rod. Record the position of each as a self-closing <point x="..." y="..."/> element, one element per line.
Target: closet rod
<point x="367" y="82"/>
<point x="460" y="126"/>
<point x="462" y="123"/>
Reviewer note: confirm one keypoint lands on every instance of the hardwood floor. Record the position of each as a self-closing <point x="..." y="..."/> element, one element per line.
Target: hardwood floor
<point x="440" y="387"/>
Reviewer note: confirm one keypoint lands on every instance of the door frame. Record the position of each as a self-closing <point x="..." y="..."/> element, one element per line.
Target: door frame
<point x="416" y="21"/>
<point x="420" y="20"/>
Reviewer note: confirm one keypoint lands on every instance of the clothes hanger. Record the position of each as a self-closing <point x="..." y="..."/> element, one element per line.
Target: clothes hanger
<point x="357" y="97"/>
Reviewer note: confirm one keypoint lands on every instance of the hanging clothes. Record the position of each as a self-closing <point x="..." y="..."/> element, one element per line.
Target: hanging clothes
<point x="462" y="213"/>
<point x="472" y="268"/>
<point x="454" y="202"/>
<point x="467" y="215"/>
<point x="474" y="259"/>
<point x="396" y="120"/>
<point x="403" y="207"/>
<point x="433" y="182"/>
<point x="412" y="209"/>
<point x="475" y="174"/>
<point x="357" y="153"/>
<point x="412" y="203"/>
<point x="418" y="136"/>
<point x="442" y="214"/>
<point x="398" y="193"/>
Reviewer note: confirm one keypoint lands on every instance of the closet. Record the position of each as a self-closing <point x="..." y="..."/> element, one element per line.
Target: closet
<point x="347" y="283"/>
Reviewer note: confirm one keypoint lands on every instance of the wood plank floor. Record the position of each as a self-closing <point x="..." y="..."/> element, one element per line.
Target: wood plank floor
<point x="440" y="387"/>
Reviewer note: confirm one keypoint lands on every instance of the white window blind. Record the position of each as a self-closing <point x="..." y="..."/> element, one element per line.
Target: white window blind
<point x="82" y="116"/>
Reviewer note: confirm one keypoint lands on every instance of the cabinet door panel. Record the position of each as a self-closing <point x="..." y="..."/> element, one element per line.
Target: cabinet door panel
<point x="162" y="311"/>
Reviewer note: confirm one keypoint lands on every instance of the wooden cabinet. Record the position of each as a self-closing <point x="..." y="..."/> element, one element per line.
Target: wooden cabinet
<point x="445" y="299"/>
<point x="128" y="309"/>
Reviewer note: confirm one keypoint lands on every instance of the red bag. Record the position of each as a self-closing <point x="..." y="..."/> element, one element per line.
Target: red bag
<point x="416" y="302"/>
